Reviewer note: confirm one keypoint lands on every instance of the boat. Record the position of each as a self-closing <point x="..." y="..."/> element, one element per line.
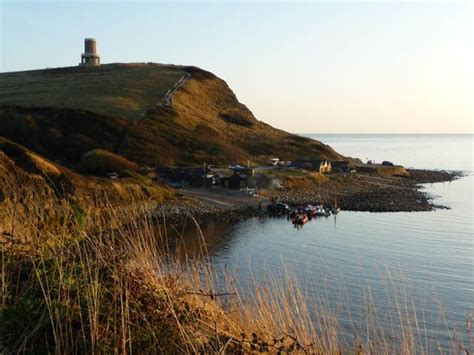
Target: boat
<point x="278" y="208"/>
<point x="300" y="219"/>
<point x="298" y="211"/>
<point x="310" y="210"/>
<point x="321" y="211"/>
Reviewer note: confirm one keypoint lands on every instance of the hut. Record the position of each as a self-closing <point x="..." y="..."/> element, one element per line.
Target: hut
<point x="262" y="181"/>
<point x="322" y="166"/>
<point x="235" y="181"/>
<point x="340" y="166"/>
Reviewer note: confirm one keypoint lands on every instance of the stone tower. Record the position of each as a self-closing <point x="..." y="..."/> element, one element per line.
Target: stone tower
<point x="90" y="56"/>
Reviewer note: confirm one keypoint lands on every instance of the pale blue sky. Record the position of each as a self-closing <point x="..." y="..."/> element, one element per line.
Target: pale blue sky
<point x="303" y="67"/>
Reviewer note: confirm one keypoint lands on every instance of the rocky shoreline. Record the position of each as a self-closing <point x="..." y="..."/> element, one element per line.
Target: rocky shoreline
<point x="360" y="192"/>
<point x="373" y="193"/>
<point x="182" y="208"/>
<point x="420" y="176"/>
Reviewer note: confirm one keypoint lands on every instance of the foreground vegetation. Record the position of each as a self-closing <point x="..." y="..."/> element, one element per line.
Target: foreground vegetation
<point x="99" y="290"/>
<point x="88" y="288"/>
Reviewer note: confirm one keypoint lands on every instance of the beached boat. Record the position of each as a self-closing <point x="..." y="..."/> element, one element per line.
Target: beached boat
<point x="322" y="212"/>
<point x="278" y="208"/>
<point x="311" y="210"/>
<point x="300" y="219"/>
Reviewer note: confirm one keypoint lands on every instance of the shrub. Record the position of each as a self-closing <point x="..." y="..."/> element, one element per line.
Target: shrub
<point x="100" y="162"/>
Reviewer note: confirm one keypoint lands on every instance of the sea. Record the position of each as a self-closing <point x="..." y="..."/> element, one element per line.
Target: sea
<point x="418" y="266"/>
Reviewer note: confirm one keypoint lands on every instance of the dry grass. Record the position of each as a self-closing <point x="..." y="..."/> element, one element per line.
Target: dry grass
<point x="89" y="289"/>
<point x="306" y="180"/>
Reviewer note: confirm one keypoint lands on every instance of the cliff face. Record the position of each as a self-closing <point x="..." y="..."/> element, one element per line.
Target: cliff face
<point x="206" y="123"/>
<point x="151" y="114"/>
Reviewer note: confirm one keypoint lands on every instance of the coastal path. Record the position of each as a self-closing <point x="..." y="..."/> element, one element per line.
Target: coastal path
<point x="224" y="197"/>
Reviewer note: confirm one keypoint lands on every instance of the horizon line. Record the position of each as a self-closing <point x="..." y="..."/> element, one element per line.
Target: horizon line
<point x="387" y="133"/>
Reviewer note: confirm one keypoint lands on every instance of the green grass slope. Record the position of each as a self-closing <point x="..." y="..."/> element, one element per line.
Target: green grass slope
<point x="64" y="113"/>
<point x="116" y="89"/>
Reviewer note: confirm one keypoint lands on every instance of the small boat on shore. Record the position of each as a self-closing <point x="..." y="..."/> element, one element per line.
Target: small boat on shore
<point x="310" y="210"/>
<point x="322" y="211"/>
<point x="278" y="208"/>
<point x="300" y="219"/>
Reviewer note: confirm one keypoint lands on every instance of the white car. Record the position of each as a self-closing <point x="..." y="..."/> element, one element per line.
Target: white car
<point x="274" y="161"/>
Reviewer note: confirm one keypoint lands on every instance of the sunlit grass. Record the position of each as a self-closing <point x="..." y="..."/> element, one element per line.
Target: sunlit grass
<point x="86" y="287"/>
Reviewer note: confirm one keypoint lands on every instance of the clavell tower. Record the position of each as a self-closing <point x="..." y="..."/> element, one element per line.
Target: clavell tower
<point x="90" y="56"/>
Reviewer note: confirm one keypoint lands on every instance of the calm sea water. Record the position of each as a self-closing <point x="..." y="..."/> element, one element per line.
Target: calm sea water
<point x="425" y="259"/>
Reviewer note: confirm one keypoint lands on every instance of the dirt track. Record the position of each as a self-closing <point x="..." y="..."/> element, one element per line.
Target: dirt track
<point x="224" y="197"/>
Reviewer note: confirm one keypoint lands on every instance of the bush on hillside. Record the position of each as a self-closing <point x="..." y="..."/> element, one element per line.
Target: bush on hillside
<point x="101" y="162"/>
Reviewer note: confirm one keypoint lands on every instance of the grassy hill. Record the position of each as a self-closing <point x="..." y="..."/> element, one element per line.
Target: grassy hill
<point x="116" y="90"/>
<point x="64" y="113"/>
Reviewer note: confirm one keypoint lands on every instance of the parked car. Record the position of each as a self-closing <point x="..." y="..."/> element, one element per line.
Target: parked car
<point x="387" y="163"/>
<point x="113" y="175"/>
<point x="274" y="161"/>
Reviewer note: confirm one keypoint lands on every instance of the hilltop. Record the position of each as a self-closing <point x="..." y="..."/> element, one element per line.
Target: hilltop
<point x="151" y="114"/>
<point x="124" y="90"/>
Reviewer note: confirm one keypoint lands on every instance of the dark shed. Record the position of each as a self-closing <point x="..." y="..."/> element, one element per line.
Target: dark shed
<point x="235" y="181"/>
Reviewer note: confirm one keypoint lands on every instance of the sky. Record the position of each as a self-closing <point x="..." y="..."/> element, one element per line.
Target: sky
<point x="305" y="67"/>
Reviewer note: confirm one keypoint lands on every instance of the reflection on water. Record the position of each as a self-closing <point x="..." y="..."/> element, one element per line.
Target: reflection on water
<point x="190" y="241"/>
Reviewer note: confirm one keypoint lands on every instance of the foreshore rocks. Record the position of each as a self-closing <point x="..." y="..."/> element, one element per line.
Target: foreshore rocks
<point x="419" y="176"/>
<point x="374" y="200"/>
<point x="187" y="208"/>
